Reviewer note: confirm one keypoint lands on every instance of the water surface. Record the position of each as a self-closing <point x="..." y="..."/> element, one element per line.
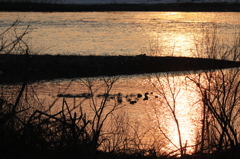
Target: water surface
<point x="130" y="33"/>
<point x="121" y="33"/>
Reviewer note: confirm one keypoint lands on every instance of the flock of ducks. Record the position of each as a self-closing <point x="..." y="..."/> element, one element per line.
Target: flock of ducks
<point x="132" y="98"/>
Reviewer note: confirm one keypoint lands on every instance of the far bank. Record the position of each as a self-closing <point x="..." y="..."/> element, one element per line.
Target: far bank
<point x="17" y="68"/>
<point x="181" y="7"/>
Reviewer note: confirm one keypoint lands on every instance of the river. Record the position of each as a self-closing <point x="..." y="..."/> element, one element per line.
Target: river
<point x="150" y="101"/>
<point x="121" y="33"/>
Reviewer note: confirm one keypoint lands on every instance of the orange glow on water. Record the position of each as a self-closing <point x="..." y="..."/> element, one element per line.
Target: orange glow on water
<point x="176" y="98"/>
<point x="118" y="33"/>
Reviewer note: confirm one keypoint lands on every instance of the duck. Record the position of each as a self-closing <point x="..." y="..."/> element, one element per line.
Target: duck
<point x="145" y="96"/>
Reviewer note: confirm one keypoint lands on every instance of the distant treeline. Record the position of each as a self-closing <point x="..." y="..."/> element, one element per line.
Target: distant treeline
<point x="47" y="7"/>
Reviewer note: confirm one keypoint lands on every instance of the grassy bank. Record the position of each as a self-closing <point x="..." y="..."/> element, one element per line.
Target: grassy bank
<point x="191" y="7"/>
<point x="47" y="67"/>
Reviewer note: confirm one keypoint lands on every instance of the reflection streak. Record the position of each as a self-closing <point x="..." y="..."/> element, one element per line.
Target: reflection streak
<point x="177" y="106"/>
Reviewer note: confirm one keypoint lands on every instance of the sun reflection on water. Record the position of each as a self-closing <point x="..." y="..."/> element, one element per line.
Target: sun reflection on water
<point x="175" y="97"/>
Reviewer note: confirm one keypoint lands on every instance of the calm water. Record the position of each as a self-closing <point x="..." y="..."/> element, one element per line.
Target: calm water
<point x="131" y="33"/>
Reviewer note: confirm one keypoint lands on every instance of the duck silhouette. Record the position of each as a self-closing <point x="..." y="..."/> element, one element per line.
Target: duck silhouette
<point x="146" y="96"/>
<point x="133" y="102"/>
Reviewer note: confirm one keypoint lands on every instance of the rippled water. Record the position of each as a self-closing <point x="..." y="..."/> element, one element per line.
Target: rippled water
<point x="130" y="33"/>
<point x="121" y="33"/>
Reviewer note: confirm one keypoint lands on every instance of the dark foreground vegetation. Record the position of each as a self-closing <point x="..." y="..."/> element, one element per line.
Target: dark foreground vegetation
<point x="29" y="129"/>
<point x="46" y="7"/>
<point x="48" y="67"/>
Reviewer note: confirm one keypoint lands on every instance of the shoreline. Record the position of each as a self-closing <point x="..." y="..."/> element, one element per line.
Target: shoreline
<point x="15" y="68"/>
<point x="178" y="7"/>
